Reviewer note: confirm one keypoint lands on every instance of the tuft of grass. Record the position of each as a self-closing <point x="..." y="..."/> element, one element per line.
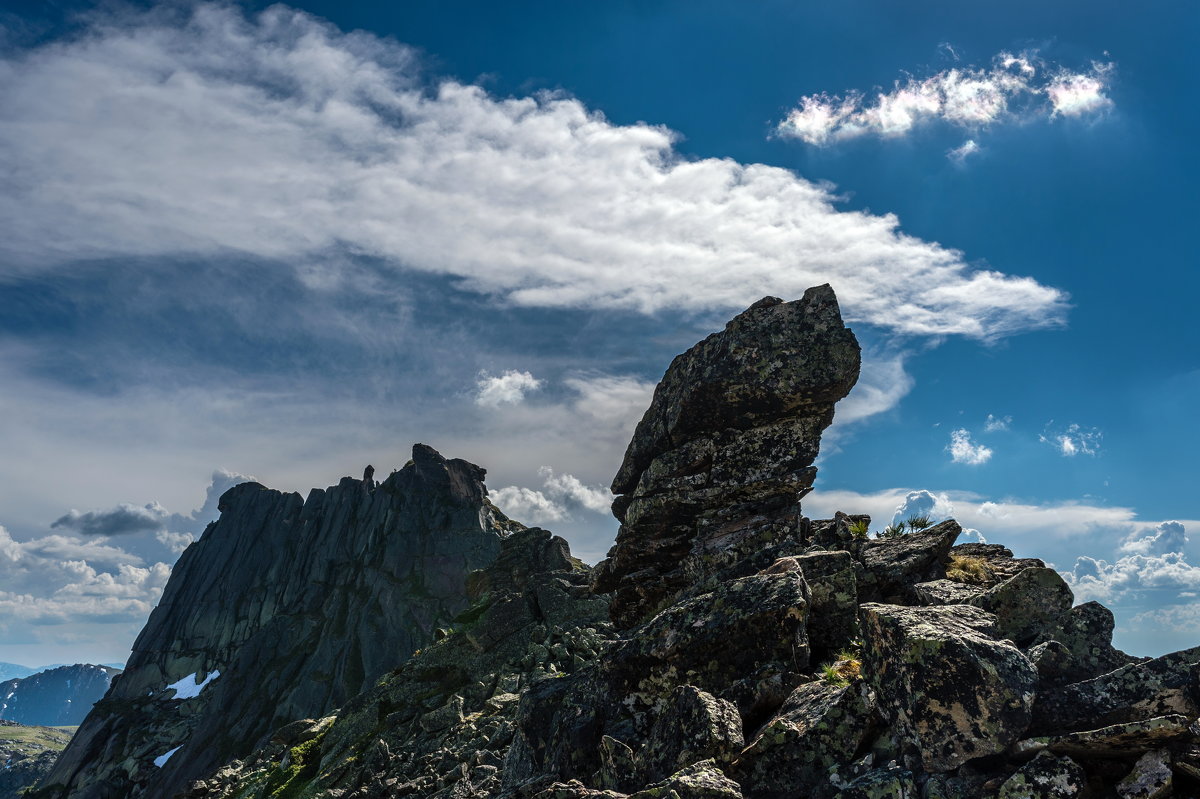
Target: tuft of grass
<point x="858" y="529"/>
<point x="969" y="569"/>
<point x="916" y="522"/>
<point x="845" y="669"/>
<point x="893" y="530"/>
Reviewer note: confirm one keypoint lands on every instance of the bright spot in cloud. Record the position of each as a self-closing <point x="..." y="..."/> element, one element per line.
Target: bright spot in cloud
<point x="554" y="502"/>
<point x="962" y="450"/>
<point x="507" y="389"/>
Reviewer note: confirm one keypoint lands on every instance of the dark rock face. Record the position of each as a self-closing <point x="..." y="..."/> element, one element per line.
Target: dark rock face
<point x="59" y="697"/>
<point x="289" y="607"/>
<point x="721" y="458"/>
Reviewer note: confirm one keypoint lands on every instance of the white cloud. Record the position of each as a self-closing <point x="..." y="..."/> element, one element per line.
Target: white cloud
<point x="1073" y="440"/>
<point x="960" y="154"/>
<point x="282" y="138"/>
<point x="507" y="389"/>
<point x="1132" y="577"/>
<point x="1076" y="94"/>
<point x="1014" y="86"/>
<point x="561" y="493"/>
<point x="597" y="499"/>
<point x="996" y="423"/>
<point x="527" y="505"/>
<point x="962" y="450"/>
<point x="59" y="579"/>
<point x="937" y="507"/>
<point x="1167" y="537"/>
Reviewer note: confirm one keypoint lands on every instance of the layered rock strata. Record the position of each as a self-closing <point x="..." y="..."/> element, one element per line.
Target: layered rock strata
<point x="722" y="456"/>
<point x="284" y="609"/>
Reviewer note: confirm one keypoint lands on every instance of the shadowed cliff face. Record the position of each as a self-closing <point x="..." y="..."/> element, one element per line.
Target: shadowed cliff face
<point x="718" y="464"/>
<point x="287" y="608"/>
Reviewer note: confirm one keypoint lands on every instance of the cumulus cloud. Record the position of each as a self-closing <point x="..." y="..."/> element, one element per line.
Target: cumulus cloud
<point x="996" y="423"/>
<point x="963" y="450"/>
<point x="527" y="505"/>
<point x="1012" y="87"/>
<point x="937" y="506"/>
<point x="306" y="147"/>
<point x="1072" y="440"/>
<point x="1133" y="577"/>
<point x="1167" y="537"/>
<point x="561" y="493"/>
<point x="61" y="579"/>
<point x="507" y="389"/>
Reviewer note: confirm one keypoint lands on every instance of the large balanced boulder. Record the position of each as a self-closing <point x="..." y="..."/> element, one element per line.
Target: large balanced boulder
<point x="720" y="459"/>
<point x="953" y="692"/>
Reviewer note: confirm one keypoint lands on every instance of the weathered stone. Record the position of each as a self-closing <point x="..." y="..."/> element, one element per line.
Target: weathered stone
<point x="946" y="592"/>
<point x="1029" y="604"/>
<point x="1160" y="687"/>
<point x="694" y="726"/>
<point x="954" y="693"/>
<point x="1131" y="738"/>
<point x="999" y="560"/>
<point x="702" y="780"/>
<point x="1047" y="776"/>
<point x="1151" y="777"/>
<point x="619" y="769"/>
<point x="1052" y="660"/>
<point x="890" y="782"/>
<point x="833" y="601"/>
<point x="819" y="727"/>
<point x="895" y="565"/>
<point x="718" y="463"/>
<point x="1086" y="632"/>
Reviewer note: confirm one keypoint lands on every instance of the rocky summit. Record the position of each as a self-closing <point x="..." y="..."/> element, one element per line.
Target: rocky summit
<point x="729" y="646"/>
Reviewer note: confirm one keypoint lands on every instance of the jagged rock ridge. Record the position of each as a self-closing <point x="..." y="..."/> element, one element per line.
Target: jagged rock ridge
<point x="817" y="662"/>
<point x="285" y="608"/>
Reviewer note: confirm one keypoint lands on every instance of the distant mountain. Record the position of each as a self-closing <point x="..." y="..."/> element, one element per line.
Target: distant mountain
<point x="56" y="697"/>
<point x="14" y="671"/>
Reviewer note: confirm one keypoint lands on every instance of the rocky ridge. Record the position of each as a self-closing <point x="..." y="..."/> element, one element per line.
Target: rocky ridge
<point x="768" y="656"/>
<point x="285" y="608"/>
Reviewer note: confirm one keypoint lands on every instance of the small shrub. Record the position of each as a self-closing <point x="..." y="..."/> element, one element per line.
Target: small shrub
<point x="969" y="569"/>
<point x="916" y="522"/>
<point x="893" y="530"/>
<point x="858" y="529"/>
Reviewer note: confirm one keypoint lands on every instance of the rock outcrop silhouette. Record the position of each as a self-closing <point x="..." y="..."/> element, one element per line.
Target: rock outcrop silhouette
<point x="728" y="648"/>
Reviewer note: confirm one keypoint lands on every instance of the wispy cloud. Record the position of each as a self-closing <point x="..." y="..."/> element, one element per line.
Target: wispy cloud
<point x="960" y="154"/>
<point x="963" y="450"/>
<point x="506" y="389"/>
<point x="1013" y="87"/>
<point x="995" y="424"/>
<point x="1072" y="440"/>
<point x="308" y="147"/>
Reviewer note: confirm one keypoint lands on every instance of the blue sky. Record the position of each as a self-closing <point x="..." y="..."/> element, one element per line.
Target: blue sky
<point x="286" y="241"/>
